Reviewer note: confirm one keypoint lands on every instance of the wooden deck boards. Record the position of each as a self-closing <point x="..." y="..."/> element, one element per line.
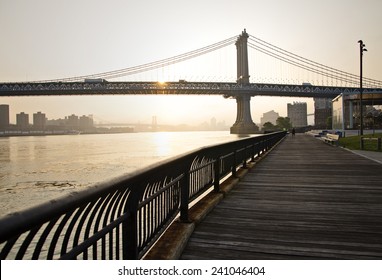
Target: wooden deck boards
<point x="305" y="200"/>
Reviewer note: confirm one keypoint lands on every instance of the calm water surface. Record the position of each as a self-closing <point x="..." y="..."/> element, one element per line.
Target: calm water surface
<point x="37" y="169"/>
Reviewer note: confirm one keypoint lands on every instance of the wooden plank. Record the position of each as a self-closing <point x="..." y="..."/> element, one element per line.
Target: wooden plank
<point x="305" y="200"/>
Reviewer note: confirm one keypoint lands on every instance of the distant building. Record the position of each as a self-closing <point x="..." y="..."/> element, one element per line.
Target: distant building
<point x="22" y="121"/>
<point x="86" y="122"/>
<point x="4" y="116"/>
<point x="213" y="123"/>
<point x="322" y="111"/>
<point x="270" y="116"/>
<point x="39" y="121"/>
<point x="297" y="113"/>
<point x="72" y="122"/>
<point x="154" y="123"/>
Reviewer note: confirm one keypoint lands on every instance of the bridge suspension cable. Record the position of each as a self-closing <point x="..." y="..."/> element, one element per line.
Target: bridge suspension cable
<point x="254" y="43"/>
<point x="307" y="64"/>
<point x="152" y="65"/>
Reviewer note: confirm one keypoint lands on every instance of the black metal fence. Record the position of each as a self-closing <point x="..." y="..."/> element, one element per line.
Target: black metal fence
<point x="122" y="218"/>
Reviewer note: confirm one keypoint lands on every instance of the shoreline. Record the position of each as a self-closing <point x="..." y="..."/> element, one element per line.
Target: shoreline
<point x="56" y="133"/>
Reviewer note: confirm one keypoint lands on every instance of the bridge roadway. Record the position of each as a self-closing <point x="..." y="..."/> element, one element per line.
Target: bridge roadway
<point x="304" y="200"/>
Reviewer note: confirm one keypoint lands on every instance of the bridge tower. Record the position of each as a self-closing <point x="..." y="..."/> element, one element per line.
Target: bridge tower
<point x="244" y="123"/>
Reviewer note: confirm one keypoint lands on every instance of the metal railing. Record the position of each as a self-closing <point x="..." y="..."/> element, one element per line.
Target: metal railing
<point x="122" y="218"/>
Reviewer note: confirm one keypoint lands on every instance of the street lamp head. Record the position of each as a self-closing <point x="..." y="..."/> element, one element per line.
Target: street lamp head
<point x="361" y="44"/>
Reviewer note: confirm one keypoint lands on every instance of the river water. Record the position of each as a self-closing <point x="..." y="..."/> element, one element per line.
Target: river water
<point x="35" y="169"/>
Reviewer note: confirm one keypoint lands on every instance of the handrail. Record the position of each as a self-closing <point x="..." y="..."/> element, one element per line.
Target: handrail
<point x="122" y="218"/>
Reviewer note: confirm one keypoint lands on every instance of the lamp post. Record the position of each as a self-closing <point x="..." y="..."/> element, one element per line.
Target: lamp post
<point x="361" y="50"/>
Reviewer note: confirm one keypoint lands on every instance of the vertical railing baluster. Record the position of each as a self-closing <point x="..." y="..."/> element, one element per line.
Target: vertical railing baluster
<point x="184" y="195"/>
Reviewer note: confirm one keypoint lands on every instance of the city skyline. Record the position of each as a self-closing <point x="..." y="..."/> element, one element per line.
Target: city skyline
<point x="99" y="38"/>
<point x="40" y="121"/>
<point x="13" y="116"/>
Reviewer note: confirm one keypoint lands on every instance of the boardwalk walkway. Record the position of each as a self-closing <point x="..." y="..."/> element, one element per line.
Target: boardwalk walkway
<point x="305" y="200"/>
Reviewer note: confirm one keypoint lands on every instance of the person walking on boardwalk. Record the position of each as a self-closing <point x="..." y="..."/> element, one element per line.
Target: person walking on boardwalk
<point x="293" y="131"/>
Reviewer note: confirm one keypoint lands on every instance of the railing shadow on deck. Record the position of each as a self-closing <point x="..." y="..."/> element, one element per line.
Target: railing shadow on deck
<point x="123" y="218"/>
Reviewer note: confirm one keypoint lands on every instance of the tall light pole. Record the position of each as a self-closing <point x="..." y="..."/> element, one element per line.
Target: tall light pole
<point x="361" y="50"/>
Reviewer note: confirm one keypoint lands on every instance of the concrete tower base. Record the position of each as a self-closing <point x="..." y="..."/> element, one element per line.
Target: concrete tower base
<point x="244" y="129"/>
<point x="244" y="123"/>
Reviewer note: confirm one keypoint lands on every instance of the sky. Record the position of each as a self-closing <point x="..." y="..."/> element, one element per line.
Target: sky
<point x="51" y="39"/>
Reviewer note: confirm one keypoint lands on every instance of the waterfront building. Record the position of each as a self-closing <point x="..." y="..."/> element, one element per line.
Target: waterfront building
<point x="270" y="116"/>
<point x="297" y="113"/>
<point x="4" y="116"/>
<point x="72" y="122"/>
<point x="86" y="122"/>
<point x="322" y="111"/>
<point x="346" y="111"/>
<point x="39" y="121"/>
<point x="22" y="121"/>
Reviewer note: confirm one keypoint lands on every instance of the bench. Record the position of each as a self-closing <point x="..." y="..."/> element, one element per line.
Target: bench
<point x="331" y="138"/>
<point x="363" y="139"/>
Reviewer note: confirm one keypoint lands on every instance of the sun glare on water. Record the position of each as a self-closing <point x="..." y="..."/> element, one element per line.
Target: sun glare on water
<point x="161" y="141"/>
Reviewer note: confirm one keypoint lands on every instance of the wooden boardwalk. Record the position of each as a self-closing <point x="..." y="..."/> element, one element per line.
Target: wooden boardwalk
<point x="305" y="200"/>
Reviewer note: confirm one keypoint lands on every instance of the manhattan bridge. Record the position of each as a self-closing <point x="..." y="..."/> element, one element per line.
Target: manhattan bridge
<point x="328" y="82"/>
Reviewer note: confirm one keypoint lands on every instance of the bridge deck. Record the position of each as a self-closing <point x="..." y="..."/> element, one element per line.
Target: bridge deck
<point x="305" y="200"/>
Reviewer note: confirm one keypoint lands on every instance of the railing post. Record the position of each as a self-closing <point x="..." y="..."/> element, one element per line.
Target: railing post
<point x="184" y="195"/>
<point x="258" y="150"/>
<point x="253" y="153"/>
<point x="234" y="164"/>
<point x="217" y="175"/>
<point x="245" y="158"/>
<point x="130" y="230"/>
<point x="361" y="143"/>
<point x="267" y="144"/>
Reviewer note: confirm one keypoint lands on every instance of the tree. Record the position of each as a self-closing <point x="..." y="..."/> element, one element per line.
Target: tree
<point x="268" y="126"/>
<point x="284" y="123"/>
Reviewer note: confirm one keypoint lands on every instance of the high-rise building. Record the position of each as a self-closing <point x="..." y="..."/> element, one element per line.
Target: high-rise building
<point x="4" y="116"/>
<point x="39" y="121"/>
<point x="22" y="121"/>
<point x="297" y="112"/>
<point x="270" y="116"/>
<point x="322" y="111"/>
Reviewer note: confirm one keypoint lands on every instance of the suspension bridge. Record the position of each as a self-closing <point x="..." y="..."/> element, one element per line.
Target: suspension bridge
<point x="329" y="82"/>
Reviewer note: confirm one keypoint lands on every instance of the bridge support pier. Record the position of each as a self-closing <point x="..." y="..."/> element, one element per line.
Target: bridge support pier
<point x="244" y="123"/>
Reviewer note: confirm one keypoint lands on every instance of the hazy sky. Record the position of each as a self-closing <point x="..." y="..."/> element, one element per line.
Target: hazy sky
<point x="48" y="39"/>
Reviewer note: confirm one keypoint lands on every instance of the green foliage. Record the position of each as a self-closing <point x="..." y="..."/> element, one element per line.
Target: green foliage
<point x="284" y="123"/>
<point x="268" y="126"/>
<point x="353" y="142"/>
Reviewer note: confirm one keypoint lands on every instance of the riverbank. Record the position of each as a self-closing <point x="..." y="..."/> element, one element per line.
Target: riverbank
<point x="113" y="130"/>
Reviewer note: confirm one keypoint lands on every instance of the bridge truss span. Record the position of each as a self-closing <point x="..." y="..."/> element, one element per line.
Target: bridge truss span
<point x="175" y="88"/>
